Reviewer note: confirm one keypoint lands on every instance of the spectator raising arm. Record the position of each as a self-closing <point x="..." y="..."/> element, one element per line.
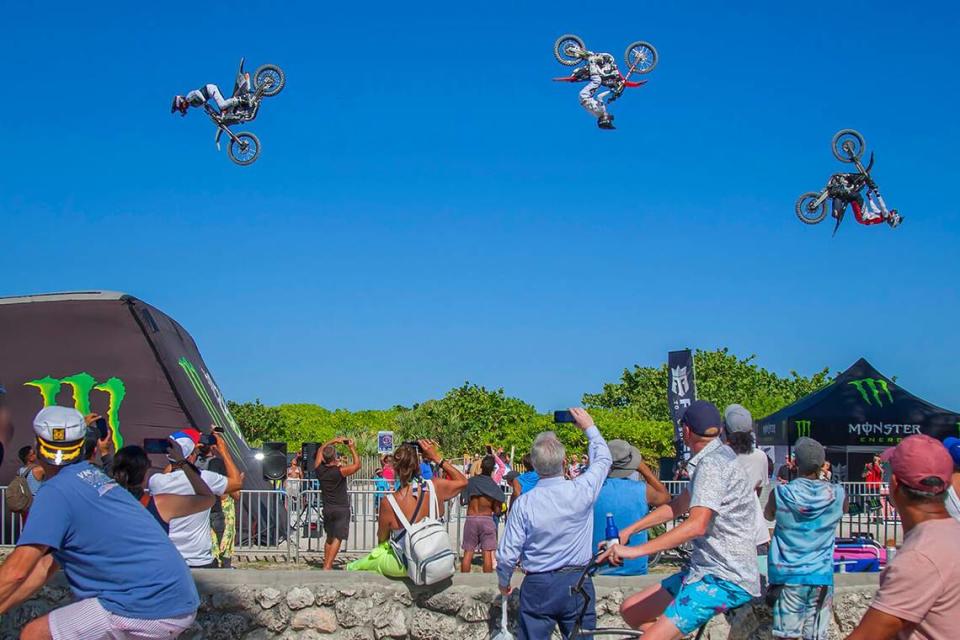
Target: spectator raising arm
<point x="171" y="506"/>
<point x="501" y="469"/>
<point x="455" y="481"/>
<point x="354" y="465"/>
<point x="234" y="477"/>
<point x="600" y="458"/>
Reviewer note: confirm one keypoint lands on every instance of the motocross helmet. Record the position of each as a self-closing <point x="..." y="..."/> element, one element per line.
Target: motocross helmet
<point x="179" y="104"/>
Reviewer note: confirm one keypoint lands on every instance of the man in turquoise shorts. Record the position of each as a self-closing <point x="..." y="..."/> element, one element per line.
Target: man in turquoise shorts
<point x="722" y="573"/>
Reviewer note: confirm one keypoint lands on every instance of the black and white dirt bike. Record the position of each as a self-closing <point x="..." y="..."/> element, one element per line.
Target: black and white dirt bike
<point x="244" y="147"/>
<point x="848" y="146"/>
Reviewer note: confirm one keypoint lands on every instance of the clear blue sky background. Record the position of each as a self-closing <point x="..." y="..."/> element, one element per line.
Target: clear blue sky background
<point x="429" y="208"/>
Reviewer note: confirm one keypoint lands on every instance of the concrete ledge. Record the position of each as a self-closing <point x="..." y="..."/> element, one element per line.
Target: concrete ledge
<point x="286" y="578"/>
<point x="253" y="604"/>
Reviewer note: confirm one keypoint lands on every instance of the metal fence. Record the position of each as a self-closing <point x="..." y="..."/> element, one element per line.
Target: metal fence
<point x="289" y="521"/>
<point x="871" y="513"/>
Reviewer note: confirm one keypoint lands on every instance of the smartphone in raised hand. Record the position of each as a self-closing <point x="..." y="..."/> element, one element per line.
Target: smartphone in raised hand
<point x="102" y="429"/>
<point x="157" y="445"/>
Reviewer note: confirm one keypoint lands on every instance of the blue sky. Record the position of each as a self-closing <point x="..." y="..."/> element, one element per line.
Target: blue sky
<point x="429" y="208"/>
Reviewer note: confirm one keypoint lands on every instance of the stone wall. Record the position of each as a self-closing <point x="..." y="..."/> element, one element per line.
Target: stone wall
<point x="253" y="604"/>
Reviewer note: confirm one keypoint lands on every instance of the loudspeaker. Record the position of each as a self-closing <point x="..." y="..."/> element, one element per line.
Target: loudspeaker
<point x="274" y="460"/>
<point x="308" y="456"/>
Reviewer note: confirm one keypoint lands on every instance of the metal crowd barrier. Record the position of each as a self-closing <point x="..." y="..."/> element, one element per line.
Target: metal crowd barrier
<point x="289" y="521"/>
<point x="871" y="513"/>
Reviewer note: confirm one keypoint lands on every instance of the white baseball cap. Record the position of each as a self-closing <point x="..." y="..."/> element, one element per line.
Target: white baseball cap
<point x="60" y="435"/>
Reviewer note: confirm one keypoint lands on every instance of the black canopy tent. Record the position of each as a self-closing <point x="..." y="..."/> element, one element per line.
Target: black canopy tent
<point x="860" y="412"/>
<point x="118" y="356"/>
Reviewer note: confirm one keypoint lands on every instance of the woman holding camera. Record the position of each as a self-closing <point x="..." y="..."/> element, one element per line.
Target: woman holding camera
<point x="413" y="498"/>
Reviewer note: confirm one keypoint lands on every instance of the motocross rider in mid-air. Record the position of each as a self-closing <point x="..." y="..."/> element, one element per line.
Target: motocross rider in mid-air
<point x="199" y="97"/>
<point x="846" y="188"/>
<point x="603" y="72"/>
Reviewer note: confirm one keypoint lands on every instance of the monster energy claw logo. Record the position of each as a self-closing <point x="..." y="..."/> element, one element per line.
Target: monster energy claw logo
<point x="222" y="418"/>
<point x="873" y="388"/>
<point x="803" y="428"/>
<point x="82" y="384"/>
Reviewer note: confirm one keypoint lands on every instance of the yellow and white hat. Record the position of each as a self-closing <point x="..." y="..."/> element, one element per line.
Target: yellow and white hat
<point x="60" y="435"/>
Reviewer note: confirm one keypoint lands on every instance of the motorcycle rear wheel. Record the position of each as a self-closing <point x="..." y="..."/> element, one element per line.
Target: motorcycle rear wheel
<point x="645" y="52"/>
<point x="808" y="215"/>
<point x="271" y="78"/>
<point x="564" y="42"/>
<point x="245" y="149"/>
<point x="848" y="145"/>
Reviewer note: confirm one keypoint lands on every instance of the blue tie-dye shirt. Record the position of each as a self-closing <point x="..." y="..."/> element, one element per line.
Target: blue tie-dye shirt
<point x="801" y="551"/>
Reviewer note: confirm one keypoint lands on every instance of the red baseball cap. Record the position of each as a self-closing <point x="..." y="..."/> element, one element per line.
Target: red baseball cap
<point x="919" y="460"/>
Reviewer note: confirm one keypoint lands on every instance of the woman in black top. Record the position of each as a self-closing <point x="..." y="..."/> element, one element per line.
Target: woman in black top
<point x="332" y="474"/>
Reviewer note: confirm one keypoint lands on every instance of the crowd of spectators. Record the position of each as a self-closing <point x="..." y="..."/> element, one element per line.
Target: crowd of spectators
<point x="93" y="508"/>
<point x="128" y="578"/>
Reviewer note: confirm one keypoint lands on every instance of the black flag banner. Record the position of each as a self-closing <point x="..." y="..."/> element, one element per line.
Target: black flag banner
<point x="681" y="392"/>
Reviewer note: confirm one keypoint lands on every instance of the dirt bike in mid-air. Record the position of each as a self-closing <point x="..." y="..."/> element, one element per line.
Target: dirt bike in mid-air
<point x="640" y="57"/>
<point x="845" y="188"/>
<point x="244" y="147"/>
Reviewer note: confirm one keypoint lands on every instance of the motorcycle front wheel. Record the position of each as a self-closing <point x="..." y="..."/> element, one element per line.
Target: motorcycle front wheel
<point x="807" y="214"/>
<point x="642" y="54"/>
<point x="245" y="149"/>
<point x="566" y="47"/>
<point x="271" y="78"/>
<point x="848" y="145"/>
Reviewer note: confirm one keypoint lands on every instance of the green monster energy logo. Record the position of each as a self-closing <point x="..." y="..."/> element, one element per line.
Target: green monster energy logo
<point x="221" y="418"/>
<point x="872" y="387"/>
<point x="803" y="428"/>
<point x="82" y="384"/>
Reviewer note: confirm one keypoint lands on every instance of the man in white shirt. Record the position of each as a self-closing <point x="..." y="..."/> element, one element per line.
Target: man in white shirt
<point x="739" y="427"/>
<point x="191" y="534"/>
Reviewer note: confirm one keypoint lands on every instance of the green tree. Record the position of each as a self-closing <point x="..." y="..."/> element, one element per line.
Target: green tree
<point x="721" y="378"/>
<point x="258" y="422"/>
<point x="467" y="418"/>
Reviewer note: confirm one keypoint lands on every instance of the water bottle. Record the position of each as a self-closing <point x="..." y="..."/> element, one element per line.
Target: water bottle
<point x="891" y="550"/>
<point x="612" y="534"/>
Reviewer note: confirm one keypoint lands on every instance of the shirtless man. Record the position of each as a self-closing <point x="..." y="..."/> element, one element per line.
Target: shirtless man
<point x="484" y="499"/>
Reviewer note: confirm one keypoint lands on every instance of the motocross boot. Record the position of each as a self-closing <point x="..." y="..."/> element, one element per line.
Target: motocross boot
<point x="895" y="219"/>
<point x="605" y="121"/>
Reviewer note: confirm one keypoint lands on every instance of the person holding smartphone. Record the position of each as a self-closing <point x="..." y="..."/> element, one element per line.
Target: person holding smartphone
<point x="98" y="441"/>
<point x="130" y="467"/>
<point x="191" y="534"/>
<point x="332" y="474"/>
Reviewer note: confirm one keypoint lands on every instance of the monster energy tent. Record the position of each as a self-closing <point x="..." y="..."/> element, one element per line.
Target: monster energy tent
<point x="114" y="355"/>
<point x="861" y="411"/>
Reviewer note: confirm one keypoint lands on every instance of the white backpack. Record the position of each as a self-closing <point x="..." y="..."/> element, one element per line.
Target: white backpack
<point x="426" y="545"/>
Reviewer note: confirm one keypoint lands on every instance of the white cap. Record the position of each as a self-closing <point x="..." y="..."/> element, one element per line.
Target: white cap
<point x="60" y="434"/>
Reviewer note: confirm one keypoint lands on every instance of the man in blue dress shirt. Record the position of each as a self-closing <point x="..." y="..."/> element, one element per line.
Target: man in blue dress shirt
<point x="550" y="531"/>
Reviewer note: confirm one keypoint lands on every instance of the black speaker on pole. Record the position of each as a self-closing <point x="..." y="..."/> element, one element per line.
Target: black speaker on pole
<point x="274" y="460"/>
<point x="308" y="457"/>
